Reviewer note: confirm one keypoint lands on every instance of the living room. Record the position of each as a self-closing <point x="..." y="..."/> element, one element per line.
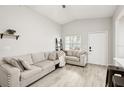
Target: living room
<point x="91" y="42"/>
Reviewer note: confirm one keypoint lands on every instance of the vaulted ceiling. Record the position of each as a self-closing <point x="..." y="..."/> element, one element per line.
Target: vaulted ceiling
<point x="74" y="12"/>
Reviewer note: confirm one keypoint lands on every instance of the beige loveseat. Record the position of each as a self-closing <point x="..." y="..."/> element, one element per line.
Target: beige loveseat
<point x="76" y="57"/>
<point x="40" y="66"/>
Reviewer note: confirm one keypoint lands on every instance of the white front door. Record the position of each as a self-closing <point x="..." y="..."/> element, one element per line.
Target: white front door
<point x="98" y="48"/>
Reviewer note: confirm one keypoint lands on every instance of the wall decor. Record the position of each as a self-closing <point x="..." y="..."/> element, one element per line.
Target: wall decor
<point x="58" y="44"/>
<point x="9" y="33"/>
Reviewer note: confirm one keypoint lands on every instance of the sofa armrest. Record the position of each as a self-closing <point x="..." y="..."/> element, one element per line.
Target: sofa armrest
<point x="83" y="59"/>
<point x="9" y="76"/>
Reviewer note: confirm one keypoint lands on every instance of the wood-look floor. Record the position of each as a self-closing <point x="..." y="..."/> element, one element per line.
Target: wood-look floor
<point x="74" y="76"/>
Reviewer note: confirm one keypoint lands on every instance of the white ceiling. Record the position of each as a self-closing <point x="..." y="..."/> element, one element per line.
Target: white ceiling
<point x="74" y="12"/>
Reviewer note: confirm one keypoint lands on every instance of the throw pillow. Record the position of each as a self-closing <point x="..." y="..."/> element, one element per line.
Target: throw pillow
<point x="77" y="53"/>
<point x="52" y="56"/>
<point x="25" y="64"/>
<point x="69" y="52"/>
<point x="14" y="63"/>
<point x="60" y="53"/>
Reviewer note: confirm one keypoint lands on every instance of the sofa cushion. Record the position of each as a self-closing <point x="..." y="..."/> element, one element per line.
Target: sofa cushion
<point x="14" y="62"/>
<point x="2" y="62"/>
<point x="37" y="57"/>
<point x="60" y="53"/>
<point x="46" y="55"/>
<point x="26" y="57"/>
<point x="69" y="53"/>
<point x="29" y="73"/>
<point x="25" y="64"/>
<point x="76" y="53"/>
<point x="52" y="56"/>
<point x="56" y="62"/>
<point x="45" y="64"/>
<point x="72" y="58"/>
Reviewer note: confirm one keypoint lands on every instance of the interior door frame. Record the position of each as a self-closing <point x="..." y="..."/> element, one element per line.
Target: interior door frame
<point x="107" y="45"/>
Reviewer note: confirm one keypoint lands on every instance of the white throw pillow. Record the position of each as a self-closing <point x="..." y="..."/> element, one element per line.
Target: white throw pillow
<point x="25" y="64"/>
<point x="38" y="57"/>
<point x="52" y="56"/>
<point x="26" y="57"/>
<point x="70" y="52"/>
<point x="46" y="55"/>
<point x="60" y="53"/>
<point x="14" y="62"/>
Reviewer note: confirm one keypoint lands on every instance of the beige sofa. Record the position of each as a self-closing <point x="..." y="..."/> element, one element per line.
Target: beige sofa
<point x="40" y="66"/>
<point x="76" y="57"/>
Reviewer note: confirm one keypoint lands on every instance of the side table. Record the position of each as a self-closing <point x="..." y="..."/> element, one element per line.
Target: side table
<point x="118" y="81"/>
<point x="111" y="70"/>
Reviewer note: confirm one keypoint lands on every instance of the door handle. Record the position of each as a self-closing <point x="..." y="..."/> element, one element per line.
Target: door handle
<point x="90" y="48"/>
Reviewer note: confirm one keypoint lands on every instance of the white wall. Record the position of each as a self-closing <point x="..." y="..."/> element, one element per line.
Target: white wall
<point x="119" y="12"/>
<point x="120" y="39"/>
<point x="82" y="27"/>
<point x="37" y="33"/>
<point x="118" y="31"/>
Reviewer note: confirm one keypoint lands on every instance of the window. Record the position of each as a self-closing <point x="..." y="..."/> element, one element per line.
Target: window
<point x="72" y="42"/>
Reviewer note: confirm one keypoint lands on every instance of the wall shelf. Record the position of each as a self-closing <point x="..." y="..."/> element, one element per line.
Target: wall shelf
<point x="8" y="35"/>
